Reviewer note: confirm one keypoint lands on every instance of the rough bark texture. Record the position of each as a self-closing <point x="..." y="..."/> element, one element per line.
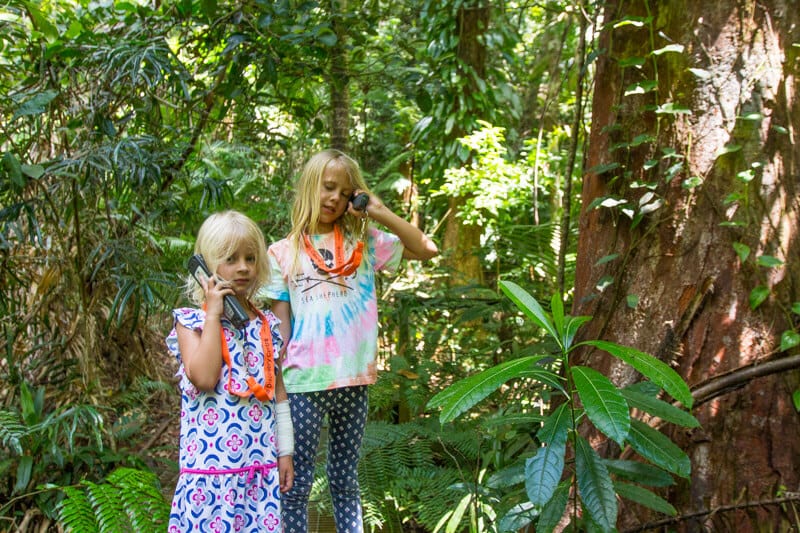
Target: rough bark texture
<point x="693" y="309"/>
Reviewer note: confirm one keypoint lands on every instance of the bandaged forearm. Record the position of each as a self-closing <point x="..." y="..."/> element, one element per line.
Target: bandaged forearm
<point x="284" y="429"/>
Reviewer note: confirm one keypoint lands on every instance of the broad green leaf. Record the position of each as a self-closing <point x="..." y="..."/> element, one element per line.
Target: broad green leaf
<point x="758" y="295"/>
<point x="742" y="250"/>
<point x="796" y="400"/>
<point x="571" y="328"/>
<point x="653" y="369"/>
<point x="789" y="339"/>
<point x="663" y="410"/>
<point x="594" y="485"/>
<point x="554" y="509"/>
<point x="768" y="261"/>
<point x="528" y="305"/>
<point x="518" y="517"/>
<point x="658" y="449"/>
<point x="644" y="497"/>
<point x="604" y="404"/>
<point x="555" y="427"/>
<point x="796" y="308"/>
<point x="24" y="469"/>
<point x="14" y="169"/>
<point x="606" y="259"/>
<point x="36" y="105"/>
<point x="462" y="395"/>
<point x="543" y="472"/>
<point x="642" y="473"/>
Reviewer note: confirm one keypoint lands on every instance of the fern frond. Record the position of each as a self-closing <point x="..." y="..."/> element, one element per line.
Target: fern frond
<point x="75" y="512"/>
<point x="12" y="431"/>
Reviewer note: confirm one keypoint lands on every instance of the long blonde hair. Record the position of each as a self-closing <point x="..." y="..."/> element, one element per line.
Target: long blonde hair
<point x="306" y="207"/>
<point x="218" y="238"/>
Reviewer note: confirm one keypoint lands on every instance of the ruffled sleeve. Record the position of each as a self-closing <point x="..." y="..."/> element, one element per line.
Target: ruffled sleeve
<point x="189" y="318"/>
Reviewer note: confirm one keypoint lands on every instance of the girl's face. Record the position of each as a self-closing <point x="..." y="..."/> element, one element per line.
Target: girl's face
<point x="240" y="270"/>
<point x="334" y="193"/>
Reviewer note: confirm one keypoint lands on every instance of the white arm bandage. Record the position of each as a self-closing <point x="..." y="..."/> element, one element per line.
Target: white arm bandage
<point x="284" y="429"/>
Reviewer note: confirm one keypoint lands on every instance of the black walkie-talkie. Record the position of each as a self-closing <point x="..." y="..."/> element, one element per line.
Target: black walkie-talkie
<point x="233" y="310"/>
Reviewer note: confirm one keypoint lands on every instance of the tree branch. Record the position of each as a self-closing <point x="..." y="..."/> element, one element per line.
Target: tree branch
<point x="793" y="497"/>
<point x="739" y="377"/>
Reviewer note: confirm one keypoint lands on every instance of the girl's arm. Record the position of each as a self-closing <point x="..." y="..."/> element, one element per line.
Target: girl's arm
<point x="417" y="245"/>
<point x="285" y="462"/>
<point x="201" y="353"/>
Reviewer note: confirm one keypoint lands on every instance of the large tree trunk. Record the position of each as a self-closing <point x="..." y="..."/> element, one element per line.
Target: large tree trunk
<point x="693" y="288"/>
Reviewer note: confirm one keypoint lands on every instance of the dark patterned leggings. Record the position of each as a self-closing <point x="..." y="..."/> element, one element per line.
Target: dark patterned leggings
<point x="346" y="408"/>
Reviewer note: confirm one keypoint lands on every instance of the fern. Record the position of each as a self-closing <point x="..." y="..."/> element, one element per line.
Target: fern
<point x="128" y="500"/>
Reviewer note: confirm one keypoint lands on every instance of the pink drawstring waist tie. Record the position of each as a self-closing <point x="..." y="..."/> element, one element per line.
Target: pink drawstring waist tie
<point x="251" y="470"/>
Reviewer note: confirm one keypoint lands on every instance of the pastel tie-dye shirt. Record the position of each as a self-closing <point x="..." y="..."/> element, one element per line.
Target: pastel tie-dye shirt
<point x="334" y="319"/>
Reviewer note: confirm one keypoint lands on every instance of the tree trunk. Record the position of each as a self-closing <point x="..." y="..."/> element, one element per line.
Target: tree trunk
<point x="727" y="173"/>
<point x="339" y="81"/>
<point x="461" y="240"/>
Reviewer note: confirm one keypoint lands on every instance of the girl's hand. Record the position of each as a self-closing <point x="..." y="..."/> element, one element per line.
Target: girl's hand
<point x="215" y="291"/>
<point x="372" y="203"/>
<point x="286" y="472"/>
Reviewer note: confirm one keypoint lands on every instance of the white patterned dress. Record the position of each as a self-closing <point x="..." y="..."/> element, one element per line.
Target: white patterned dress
<point x="224" y="432"/>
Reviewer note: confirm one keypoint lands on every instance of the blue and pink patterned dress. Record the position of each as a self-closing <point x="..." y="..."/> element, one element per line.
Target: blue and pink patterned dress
<point x="224" y="432"/>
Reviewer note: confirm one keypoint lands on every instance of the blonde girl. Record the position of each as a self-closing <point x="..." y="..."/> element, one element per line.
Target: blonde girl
<point x="323" y="291"/>
<point x="236" y="438"/>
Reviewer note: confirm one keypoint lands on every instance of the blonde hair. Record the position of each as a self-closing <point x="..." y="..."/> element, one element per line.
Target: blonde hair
<point x="306" y="207"/>
<point x="220" y="235"/>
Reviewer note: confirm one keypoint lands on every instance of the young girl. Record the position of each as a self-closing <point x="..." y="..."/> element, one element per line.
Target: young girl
<point x="236" y="438"/>
<point x="323" y="291"/>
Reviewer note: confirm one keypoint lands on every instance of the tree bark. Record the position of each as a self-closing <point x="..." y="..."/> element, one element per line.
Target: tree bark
<point x="462" y="241"/>
<point x="680" y="290"/>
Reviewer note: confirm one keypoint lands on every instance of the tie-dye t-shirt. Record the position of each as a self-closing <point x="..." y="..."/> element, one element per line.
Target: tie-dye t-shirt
<point x="334" y="318"/>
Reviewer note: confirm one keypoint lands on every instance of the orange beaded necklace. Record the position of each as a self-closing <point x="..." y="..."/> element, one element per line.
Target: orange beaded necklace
<point x="340" y="266"/>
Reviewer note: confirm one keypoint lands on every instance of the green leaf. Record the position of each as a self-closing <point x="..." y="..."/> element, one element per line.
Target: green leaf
<point x="653" y="369"/>
<point x="671" y="108"/>
<point x="606" y="259"/>
<point x="641" y="473"/>
<point x="595" y="486"/>
<point x="36" y="105"/>
<point x="604" y="404"/>
<point x="676" y="48"/>
<point x="571" y="328"/>
<point x="742" y="250"/>
<point x="644" y="497"/>
<point x="641" y="87"/>
<point x="24" y="470"/>
<point x="528" y="305"/>
<point x="632" y="300"/>
<point x="543" y="472"/>
<point x="663" y="410"/>
<point x="796" y="400"/>
<point x="768" y="261"/>
<point x="758" y="295"/>
<point x="555" y="427"/>
<point x="789" y="339"/>
<point x="14" y="169"/>
<point x="796" y="308"/>
<point x="41" y="22"/>
<point x="658" y="449"/>
<point x="464" y="394"/>
<point x="554" y="509"/>
<point x="729" y="149"/>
